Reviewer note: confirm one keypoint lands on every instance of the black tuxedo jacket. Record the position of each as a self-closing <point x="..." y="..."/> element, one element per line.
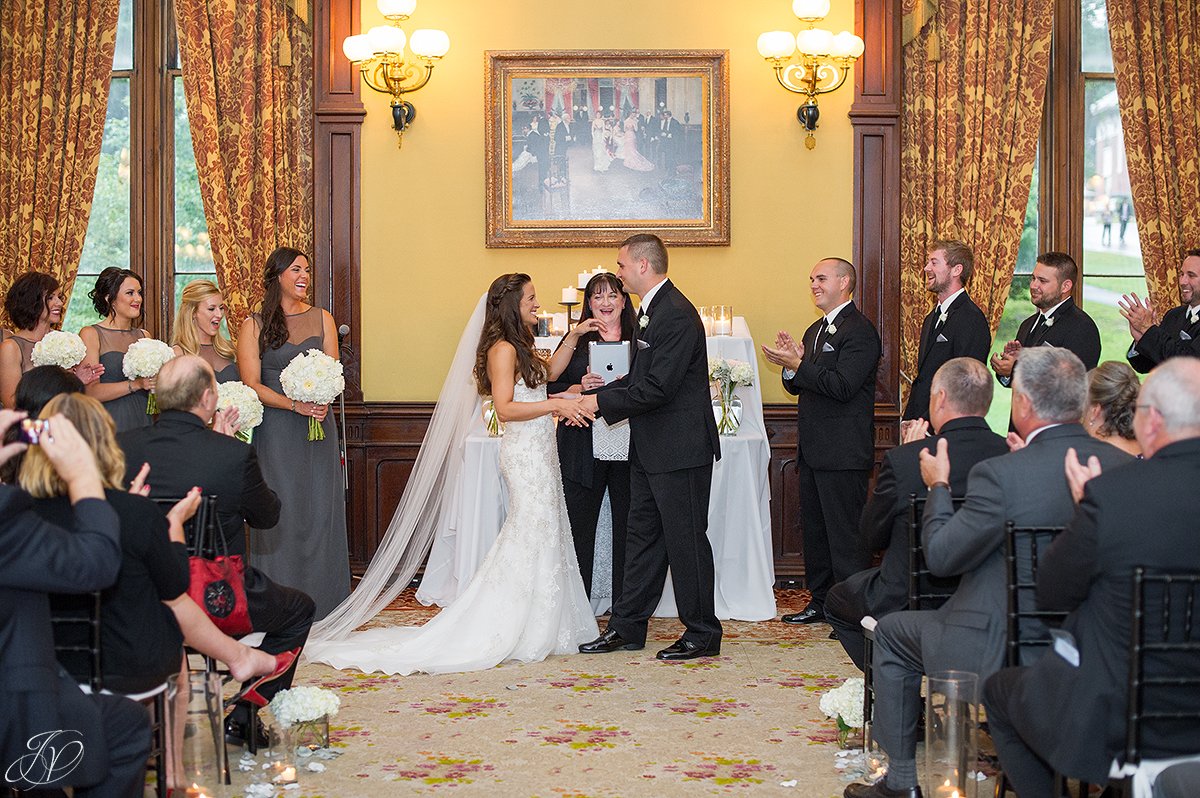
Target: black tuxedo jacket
<point x="561" y="133"/>
<point x="1173" y="337"/>
<point x="666" y="396"/>
<point x="183" y="452"/>
<point x="1129" y="516"/>
<point x="36" y="557"/>
<point x="884" y="523"/>
<point x="965" y="334"/>
<point x="835" y="390"/>
<point x="1072" y="329"/>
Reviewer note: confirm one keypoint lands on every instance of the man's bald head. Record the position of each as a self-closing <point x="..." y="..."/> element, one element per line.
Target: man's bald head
<point x="182" y="382"/>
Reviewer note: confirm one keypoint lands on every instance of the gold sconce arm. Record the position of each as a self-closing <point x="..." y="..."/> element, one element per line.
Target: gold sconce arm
<point x="811" y="78"/>
<point x="395" y="77"/>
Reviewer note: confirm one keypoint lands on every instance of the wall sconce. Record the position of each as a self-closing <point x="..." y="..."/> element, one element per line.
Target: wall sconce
<point x="379" y="54"/>
<point x="821" y="66"/>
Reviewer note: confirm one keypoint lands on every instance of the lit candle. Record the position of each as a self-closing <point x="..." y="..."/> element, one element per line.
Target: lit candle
<point x="286" y="775"/>
<point x="722" y="320"/>
<point x="583" y="279"/>
<point x="570" y="296"/>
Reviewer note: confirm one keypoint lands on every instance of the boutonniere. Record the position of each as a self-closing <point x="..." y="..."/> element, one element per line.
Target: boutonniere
<point x="643" y="321"/>
<point x="831" y="329"/>
<point x="944" y="317"/>
<point x="1049" y="321"/>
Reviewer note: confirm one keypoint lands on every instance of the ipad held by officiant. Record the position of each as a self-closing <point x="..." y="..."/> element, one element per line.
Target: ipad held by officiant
<point x="609" y="359"/>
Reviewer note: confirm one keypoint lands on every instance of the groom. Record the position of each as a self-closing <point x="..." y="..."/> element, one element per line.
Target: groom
<point x="673" y="441"/>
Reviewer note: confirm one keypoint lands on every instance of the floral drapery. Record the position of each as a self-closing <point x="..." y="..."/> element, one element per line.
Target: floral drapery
<point x="56" y="61"/>
<point x="247" y="75"/>
<point x="1156" y="58"/>
<point x="974" y="87"/>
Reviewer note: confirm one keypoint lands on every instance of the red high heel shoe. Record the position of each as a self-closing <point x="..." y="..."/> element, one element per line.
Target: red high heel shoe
<point x="250" y="691"/>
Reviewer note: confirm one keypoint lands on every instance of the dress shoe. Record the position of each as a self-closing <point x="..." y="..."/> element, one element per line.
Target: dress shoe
<point x="879" y="790"/>
<point x="810" y="614"/>
<point x="687" y="649"/>
<point x="237" y="733"/>
<point x="833" y="635"/>
<point x="608" y="642"/>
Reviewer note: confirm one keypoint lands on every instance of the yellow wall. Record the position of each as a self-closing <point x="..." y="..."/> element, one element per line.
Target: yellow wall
<point x="424" y="263"/>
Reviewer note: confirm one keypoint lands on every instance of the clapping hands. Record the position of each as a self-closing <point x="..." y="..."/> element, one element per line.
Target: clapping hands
<point x="787" y="352"/>
<point x="1079" y="473"/>
<point x="1138" y="312"/>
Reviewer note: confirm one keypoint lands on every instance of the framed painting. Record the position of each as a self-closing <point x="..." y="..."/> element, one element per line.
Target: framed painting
<point x="586" y="147"/>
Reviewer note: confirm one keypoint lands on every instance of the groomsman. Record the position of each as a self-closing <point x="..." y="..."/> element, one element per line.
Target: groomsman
<point x="832" y="374"/>
<point x="956" y="327"/>
<point x="1058" y="322"/>
<point x="1179" y="331"/>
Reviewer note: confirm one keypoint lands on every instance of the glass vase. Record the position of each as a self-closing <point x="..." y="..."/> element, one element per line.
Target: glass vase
<point x="310" y="735"/>
<point x="196" y="734"/>
<point x="951" y="744"/>
<point x="727" y="409"/>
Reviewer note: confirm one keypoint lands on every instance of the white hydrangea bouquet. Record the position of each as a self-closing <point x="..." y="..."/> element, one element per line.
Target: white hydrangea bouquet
<point x="845" y="702"/>
<point x="59" y="348"/>
<point x="313" y="376"/>
<point x="249" y="406"/>
<point x="727" y="375"/>
<point x="145" y="358"/>
<point x="305" y="712"/>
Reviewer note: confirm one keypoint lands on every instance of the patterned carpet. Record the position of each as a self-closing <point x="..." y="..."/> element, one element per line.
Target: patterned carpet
<point x="620" y="724"/>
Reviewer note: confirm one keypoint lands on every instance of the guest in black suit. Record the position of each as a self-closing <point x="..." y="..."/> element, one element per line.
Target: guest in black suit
<point x="956" y="327"/>
<point x="1058" y="322"/>
<point x="111" y="733"/>
<point x="587" y="473"/>
<point x="832" y="372"/>
<point x="967" y="633"/>
<point x="538" y="143"/>
<point x="182" y="452"/>
<point x="962" y="393"/>
<point x="673" y="441"/>
<point x="1058" y="716"/>
<point x="1179" y="331"/>
<point x="670" y="140"/>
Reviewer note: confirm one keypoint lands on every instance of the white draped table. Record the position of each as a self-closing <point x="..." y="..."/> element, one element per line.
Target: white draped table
<point x="739" y="512"/>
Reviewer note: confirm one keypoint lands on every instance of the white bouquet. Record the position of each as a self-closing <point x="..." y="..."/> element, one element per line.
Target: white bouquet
<point x="313" y="376"/>
<point x="144" y="358"/>
<point x="58" y="348"/>
<point x="304" y="705"/>
<point x="845" y="702"/>
<point x="727" y="375"/>
<point x="249" y="406"/>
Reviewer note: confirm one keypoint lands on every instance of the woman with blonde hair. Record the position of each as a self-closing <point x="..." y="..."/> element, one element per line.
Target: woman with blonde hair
<point x="197" y="329"/>
<point x="142" y="615"/>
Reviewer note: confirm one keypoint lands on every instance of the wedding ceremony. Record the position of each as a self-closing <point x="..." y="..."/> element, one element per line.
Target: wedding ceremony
<point x="355" y="442"/>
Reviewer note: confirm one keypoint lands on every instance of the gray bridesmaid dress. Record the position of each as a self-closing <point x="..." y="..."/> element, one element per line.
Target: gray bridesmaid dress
<point x="128" y="411"/>
<point x="307" y="549"/>
<point x="225" y="368"/>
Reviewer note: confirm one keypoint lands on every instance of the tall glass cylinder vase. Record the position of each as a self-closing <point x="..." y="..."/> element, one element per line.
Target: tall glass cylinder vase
<point x="727" y="409"/>
<point x="951" y="735"/>
<point x="196" y="735"/>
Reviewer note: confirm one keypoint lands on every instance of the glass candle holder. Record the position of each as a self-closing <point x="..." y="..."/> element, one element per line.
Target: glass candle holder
<point x="196" y="725"/>
<point x="722" y="319"/>
<point x="951" y="742"/>
<point x="706" y="319"/>
<point x="544" y="322"/>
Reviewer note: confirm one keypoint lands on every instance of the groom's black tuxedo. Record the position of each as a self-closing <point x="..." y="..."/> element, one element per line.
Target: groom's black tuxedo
<point x="965" y="333"/>
<point x="673" y="441"/>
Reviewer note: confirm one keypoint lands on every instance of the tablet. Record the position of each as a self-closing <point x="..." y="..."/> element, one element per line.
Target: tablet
<point x="609" y="359"/>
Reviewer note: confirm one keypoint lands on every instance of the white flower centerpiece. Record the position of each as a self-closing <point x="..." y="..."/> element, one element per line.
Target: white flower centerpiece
<point x="249" y="406"/>
<point x="305" y="713"/>
<point x="145" y="358"/>
<point x="727" y="375"/>
<point x="845" y="702"/>
<point x="313" y="376"/>
<point x="59" y="348"/>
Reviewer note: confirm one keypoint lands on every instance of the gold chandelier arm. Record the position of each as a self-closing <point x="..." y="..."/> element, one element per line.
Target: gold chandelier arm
<point x="793" y="77"/>
<point x="811" y="78"/>
<point x="835" y="71"/>
<point x="396" y="77"/>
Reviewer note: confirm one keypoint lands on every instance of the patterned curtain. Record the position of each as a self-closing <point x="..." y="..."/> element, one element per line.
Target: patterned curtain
<point x="247" y="74"/>
<point x="56" y="60"/>
<point x="1156" y="57"/>
<point x="974" y="86"/>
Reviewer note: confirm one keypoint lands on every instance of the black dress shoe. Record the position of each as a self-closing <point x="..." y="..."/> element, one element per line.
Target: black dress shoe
<point x="833" y="635"/>
<point x="810" y="614"/>
<point x="607" y="642"/>
<point x="237" y="732"/>
<point x="879" y="790"/>
<point x="687" y="649"/>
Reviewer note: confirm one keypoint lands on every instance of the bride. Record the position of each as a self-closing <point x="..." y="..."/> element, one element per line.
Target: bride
<point x="527" y="600"/>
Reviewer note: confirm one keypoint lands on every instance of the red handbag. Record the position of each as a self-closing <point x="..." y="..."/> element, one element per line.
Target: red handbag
<point x="218" y="582"/>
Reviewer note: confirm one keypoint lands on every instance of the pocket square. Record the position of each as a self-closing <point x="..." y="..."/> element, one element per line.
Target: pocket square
<point x="642" y="344"/>
<point x="1183" y="336"/>
<point x="827" y="347"/>
<point x="941" y="339"/>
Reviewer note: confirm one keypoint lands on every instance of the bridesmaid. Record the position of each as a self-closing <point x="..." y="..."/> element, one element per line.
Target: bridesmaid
<point x="118" y="298"/>
<point x="307" y="549"/>
<point x="198" y="329"/>
<point x="35" y="306"/>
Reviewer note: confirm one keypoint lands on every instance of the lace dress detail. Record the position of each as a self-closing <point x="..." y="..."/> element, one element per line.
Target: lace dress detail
<point x="524" y="603"/>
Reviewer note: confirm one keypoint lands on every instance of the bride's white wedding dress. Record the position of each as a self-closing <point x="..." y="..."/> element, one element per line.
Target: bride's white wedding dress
<point x="524" y="603"/>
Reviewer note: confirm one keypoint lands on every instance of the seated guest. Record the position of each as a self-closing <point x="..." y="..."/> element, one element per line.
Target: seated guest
<point x="110" y="733"/>
<point x="960" y="394"/>
<point x="967" y="633"/>
<point x="1066" y="712"/>
<point x="182" y="451"/>
<point x="1112" y="395"/>
<point x="197" y="329"/>
<point x="37" y="386"/>
<point x="142" y="614"/>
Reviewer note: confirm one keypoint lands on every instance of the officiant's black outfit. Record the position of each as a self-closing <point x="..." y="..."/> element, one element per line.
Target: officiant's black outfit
<point x="673" y="442"/>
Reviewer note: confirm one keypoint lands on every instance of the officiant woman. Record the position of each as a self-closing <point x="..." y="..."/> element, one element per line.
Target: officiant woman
<point x="595" y="459"/>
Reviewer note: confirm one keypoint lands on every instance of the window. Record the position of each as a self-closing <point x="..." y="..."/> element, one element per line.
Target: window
<point x="146" y="210"/>
<point x="1080" y="200"/>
